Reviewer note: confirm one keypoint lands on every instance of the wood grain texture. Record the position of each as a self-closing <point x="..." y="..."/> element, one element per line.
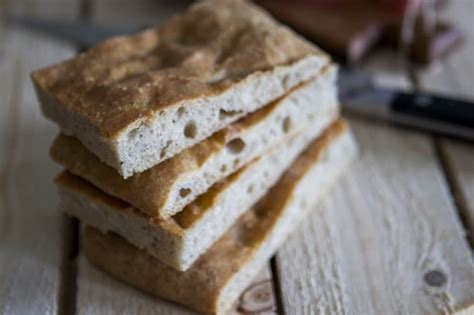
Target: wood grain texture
<point x="95" y="287"/>
<point x="455" y="77"/>
<point x="386" y="241"/>
<point x="30" y="227"/>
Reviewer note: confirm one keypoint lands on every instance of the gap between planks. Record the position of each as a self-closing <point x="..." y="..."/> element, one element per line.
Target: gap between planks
<point x="70" y="250"/>
<point x="276" y="286"/>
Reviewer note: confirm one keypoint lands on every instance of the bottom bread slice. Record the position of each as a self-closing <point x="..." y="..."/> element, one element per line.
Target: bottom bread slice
<point x="219" y="276"/>
<point x="179" y="241"/>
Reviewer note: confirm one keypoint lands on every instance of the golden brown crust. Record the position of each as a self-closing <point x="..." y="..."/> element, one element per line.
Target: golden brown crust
<point x="202" y="52"/>
<point x="214" y="269"/>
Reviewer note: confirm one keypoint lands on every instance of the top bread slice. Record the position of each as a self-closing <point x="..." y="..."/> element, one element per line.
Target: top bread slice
<point x="134" y="101"/>
<point x="168" y="187"/>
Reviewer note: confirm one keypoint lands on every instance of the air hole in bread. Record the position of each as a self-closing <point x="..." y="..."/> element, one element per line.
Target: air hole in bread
<point x="242" y="232"/>
<point x="183" y="192"/>
<point x="162" y="153"/>
<point x="180" y="112"/>
<point x="259" y="211"/>
<point x="286" y="124"/>
<point x="164" y="150"/>
<point x="223" y="114"/>
<point x="133" y="134"/>
<point x="236" y="146"/>
<point x="250" y="189"/>
<point x="190" y="130"/>
<point x="236" y="163"/>
<point x="236" y="233"/>
<point x="223" y="168"/>
<point x="311" y="116"/>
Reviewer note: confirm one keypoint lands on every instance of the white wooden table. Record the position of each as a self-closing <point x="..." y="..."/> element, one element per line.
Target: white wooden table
<point x="388" y="240"/>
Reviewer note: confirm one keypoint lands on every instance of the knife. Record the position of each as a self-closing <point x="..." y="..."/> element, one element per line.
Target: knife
<point x="429" y="112"/>
<point x="357" y="92"/>
<point x="82" y="34"/>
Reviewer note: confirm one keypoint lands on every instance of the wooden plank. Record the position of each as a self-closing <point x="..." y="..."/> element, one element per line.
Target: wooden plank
<point x="455" y="77"/>
<point x="459" y="158"/>
<point x="386" y="241"/>
<point x="97" y="292"/>
<point x="30" y="227"/>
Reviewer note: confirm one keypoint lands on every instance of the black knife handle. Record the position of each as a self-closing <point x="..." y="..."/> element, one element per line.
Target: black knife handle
<point x="454" y="112"/>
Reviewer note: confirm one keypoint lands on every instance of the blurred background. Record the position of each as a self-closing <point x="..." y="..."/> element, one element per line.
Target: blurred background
<point x="411" y="47"/>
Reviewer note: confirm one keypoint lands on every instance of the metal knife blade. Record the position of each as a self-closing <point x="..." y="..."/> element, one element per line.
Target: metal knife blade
<point x="82" y="34"/>
<point x="429" y="112"/>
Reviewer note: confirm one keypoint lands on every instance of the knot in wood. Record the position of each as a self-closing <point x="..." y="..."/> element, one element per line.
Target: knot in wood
<point x="258" y="298"/>
<point x="435" y="278"/>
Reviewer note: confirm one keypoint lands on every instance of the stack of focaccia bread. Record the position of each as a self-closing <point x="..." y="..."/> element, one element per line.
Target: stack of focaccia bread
<point x="193" y="149"/>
